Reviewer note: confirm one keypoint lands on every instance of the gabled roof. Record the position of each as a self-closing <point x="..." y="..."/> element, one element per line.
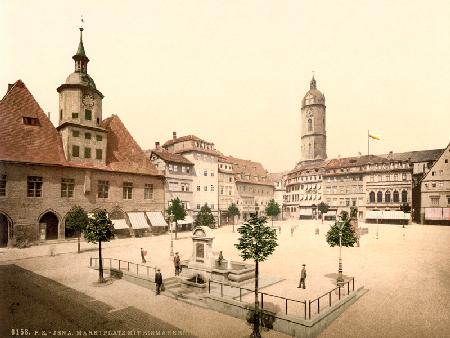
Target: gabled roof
<point x="27" y="143"/>
<point x="429" y="175"/>
<point x="250" y="168"/>
<point x="184" y="138"/>
<point x="356" y="161"/>
<point x="41" y="144"/>
<point x="168" y="156"/>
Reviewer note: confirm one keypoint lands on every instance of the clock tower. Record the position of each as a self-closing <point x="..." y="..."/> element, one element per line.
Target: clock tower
<point x="80" y="114"/>
<point x="313" y="131"/>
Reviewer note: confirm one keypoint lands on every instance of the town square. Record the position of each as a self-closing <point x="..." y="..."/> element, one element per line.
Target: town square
<point x="176" y="169"/>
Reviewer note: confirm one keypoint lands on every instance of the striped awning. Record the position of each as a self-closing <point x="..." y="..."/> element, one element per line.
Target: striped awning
<point x="138" y="220"/>
<point x="187" y="220"/>
<point x="306" y="212"/>
<point x="120" y="224"/>
<point x="156" y="219"/>
<point x="387" y="214"/>
<point x="433" y="214"/>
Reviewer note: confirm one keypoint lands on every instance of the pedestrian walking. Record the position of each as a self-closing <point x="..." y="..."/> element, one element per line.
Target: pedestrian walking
<point x="143" y="254"/>
<point x="158" y="281"/>
<point x="177" y="264"/>
<point x="302" y="278"/>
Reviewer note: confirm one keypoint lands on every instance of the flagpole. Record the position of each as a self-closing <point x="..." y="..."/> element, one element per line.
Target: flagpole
<point x="368" y="140"/>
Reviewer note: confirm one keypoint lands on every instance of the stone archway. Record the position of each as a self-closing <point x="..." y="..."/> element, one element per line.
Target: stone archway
<point x="48" y="226"/>
<point x="4" y="233"/>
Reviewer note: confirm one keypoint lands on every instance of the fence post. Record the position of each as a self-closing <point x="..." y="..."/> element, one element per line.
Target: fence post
<point x="221" y="290"/>
<point x="137" y="269"/>
<point x="209" y="286"/>
<point x="128" y="266"/>
<point x="309" y="309"/>
<point x="119" y="264"/>
<point x="318" y="305"/>
<point x="240" y="294"/>
<point x="110" y="264"/>
<point x="339" y="293"/>
<point x="262" y="300"/>
<point x="90" y="262"/>
<point x="329" y="294"/>
<point x="286" y="306"/>
<point x="304" y="303"/>
<point x="353" y="280"/>
<point x="348" y="287"/>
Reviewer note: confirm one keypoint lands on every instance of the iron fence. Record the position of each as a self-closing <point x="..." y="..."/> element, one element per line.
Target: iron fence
<point x="132" y="268"/>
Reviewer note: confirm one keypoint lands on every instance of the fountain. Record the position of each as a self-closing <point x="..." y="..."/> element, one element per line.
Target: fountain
<point x="202" y="266"/>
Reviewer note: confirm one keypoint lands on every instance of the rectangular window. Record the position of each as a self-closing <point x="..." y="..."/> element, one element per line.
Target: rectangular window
<point x="74" y="115"/>
<point x="75" y="133"/>
<point x="67" y="187"/>
<point x="205" y="188"/>
<point x="75" y="151"/>
<point x="148" y="191"/>
<point x="205" y="172"/>
<point x="434" y="201"/>
<point x="170" y="167"/>
<point x="198" y="206"/>
<point x="175" y="167"/>
<point x="88" y="114"/>
<point x="87" y="152"/>
<point x="198" y="188"/>
<point x="404" y="177"/>
<point x="212" y="173"/>
<point x="2" y="185"/>
<point x="98" y="154"/>
<point x="388" y="178"/>
<point x="212" y="187"/>
<point x="127" y="190"/>
<point x="395" y="177"/>
<point x="30" y="121"/>
<point x="98" y="137"/>
<point x="87" y="136"/>
<point x="103" y="189"/>
<point x="183" y="169"/>
<point x="34" y="186"/>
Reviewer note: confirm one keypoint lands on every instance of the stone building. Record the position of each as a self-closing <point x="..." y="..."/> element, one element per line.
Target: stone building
<point x="179" y="173"/>
<point x="227" y="188"/>
<point x="86" y="161"/>
<point x="279" y="184"/>
<point x="205" y="159"/>
<point x="435" y="188"/>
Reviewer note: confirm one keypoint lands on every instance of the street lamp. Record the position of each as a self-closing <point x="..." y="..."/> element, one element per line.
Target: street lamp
<point x="340" y="279"/>
<point x="171" y="234"/>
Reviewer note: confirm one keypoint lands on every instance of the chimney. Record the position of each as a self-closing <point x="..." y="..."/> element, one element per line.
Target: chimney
<point x="174" y="135"/>
<point x="157" y="146"/>
<point x="48" y="114"/>
<point x="391" y="153"/>
<point x="10" y="85"/>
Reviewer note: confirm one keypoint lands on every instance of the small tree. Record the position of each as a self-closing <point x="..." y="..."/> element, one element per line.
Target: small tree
<point x="205" y="217"/>
<point x="257" y="242"/>
<point x="77" y="220"/>
<point x="233" y="211"/>
<point x="273" y="209"/>
<point x="177" y="211"/>
<point x="99" y="230"/>
<point x="405" y="207"/>
<point x="348" y="235"/>
<point x="323" y="208"/>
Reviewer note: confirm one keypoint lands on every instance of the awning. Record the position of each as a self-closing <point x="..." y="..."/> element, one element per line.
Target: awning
<point x="138" y="220"/>
<point x="387" y="214"/>
<point x="306" y="212"/>
<point x="187" y="220"/>
<point x="119" y="224"/>
<point x="330" y="213"/>
<point x="433" y="214"/>
<point x="446" y="214"/>
<point x="374" y="214"/>
<point x="156" y="219"/>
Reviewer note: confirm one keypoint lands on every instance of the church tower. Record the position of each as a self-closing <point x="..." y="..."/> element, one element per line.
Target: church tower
<point x="313" y="137"/>
<point x="80" y="114"/>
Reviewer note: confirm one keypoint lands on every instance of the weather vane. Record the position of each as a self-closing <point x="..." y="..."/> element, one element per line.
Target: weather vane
<point x="82" y="21"/>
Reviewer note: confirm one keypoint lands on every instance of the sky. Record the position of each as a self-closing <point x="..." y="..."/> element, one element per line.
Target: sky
<point x="234" y="72"/>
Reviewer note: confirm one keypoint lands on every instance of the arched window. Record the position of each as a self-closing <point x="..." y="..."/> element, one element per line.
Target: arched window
<point x="396" y="196"/>
<point x="309" y="125"/>
<point x="387" y="197"/>
<point x="372" y="197"/>
<point x="404" y="196"/>
<point x="379" y="197"/>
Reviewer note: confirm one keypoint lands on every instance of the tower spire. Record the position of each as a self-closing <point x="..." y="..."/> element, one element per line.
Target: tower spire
<point x="312" y="84"/>
<point x="80" y="58"/>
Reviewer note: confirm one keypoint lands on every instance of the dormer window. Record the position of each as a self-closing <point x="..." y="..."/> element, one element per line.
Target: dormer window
<point x="30" y="121"/>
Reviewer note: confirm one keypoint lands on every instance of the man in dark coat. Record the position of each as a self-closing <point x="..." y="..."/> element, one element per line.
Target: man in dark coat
<point x="177" y="264"/>
<point x="302" y="278"/>
<point x="158" y="281"/>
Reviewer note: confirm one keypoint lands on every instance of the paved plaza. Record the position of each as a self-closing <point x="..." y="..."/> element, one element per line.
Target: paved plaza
<point x="406" y="272"/>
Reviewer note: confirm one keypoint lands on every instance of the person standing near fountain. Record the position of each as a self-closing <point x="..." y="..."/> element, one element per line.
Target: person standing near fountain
<point x="177" y="264"/>
<point x="302" y="277"/>
<point x="143" y="254"/>
<point x="158" y="281"/>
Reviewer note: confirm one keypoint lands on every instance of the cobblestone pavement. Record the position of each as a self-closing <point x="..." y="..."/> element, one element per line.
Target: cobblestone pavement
<point x="406" y="271"/>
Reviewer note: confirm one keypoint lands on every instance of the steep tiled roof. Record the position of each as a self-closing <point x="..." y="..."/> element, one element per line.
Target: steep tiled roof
<point x="356" y="161"/>
<point x="415" y="156"/>
<point x="41" y="144"/>
<point x="246" y="167"/>
<point x="277" y="176"/>
<point x="184" y="138"/>
<point x="168" y="156"/>
<point x="27" y="143"/>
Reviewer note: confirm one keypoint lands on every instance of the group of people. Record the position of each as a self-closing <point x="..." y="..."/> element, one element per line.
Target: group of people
<point x="158" y="275"/>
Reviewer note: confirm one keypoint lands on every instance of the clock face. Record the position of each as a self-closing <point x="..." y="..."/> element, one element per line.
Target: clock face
<point x="88" y="100"/>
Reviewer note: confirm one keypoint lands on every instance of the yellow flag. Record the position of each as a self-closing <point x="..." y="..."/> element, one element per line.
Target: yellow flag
<point x="375" y="137"/>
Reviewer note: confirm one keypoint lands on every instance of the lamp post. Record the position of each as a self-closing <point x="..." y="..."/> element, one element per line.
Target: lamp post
<point x="171" y="234"/>
<point x="340" y="279"/>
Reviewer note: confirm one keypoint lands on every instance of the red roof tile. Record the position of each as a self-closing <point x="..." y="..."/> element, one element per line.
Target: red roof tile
<point x="168" y="156"/>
